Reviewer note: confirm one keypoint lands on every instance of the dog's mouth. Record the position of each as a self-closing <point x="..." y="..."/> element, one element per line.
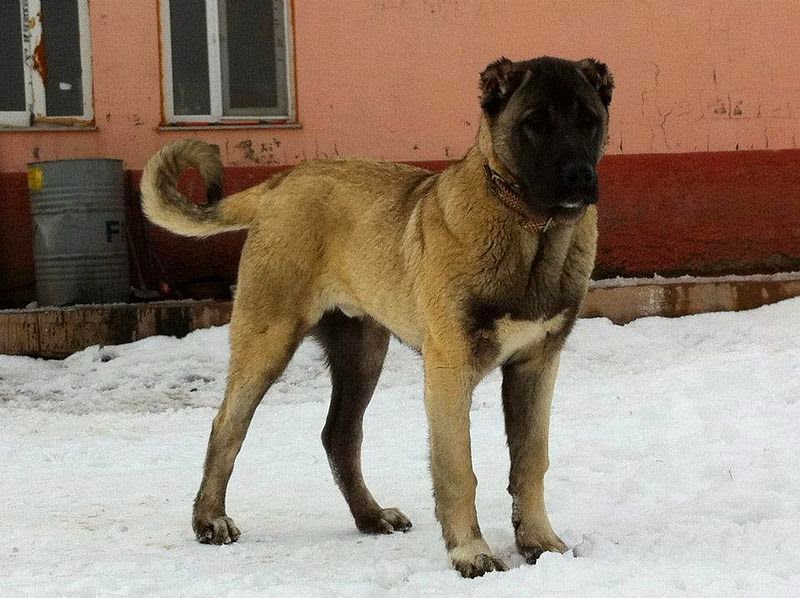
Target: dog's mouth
<point x="578" y="200"/>
<point x="574" y="205"/>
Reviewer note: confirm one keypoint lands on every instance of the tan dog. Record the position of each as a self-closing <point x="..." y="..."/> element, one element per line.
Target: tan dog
<point x="483" y="265"/>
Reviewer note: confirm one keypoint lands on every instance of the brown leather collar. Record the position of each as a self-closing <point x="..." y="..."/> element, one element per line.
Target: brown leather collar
<point x="510" y="195"/>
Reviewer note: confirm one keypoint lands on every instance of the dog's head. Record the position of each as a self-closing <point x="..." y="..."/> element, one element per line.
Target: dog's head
<point x="546" y="122"/>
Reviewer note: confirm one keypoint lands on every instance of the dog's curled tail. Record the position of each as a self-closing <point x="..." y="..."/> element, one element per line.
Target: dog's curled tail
<point x="165" y="206"/>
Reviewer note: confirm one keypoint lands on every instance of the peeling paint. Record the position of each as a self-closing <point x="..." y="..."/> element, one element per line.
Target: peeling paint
<point x="662" y="125"/>
<point x="262" y="155"/>
<point x="248" y="152"/>
<point x="648" y="90"/>
<point x="40" y="59"/>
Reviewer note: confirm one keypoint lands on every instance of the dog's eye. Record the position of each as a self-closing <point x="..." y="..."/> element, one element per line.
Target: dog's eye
<point x="537" y="122"/>
<point x="587" y="121"/>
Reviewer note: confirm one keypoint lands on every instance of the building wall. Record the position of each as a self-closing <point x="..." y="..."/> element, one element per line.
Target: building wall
<point x="397" y="79"/>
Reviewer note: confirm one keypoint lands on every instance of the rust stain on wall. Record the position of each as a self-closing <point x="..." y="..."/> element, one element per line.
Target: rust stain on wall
<point x="64" y="121"/>
<point x="40" y="59"/>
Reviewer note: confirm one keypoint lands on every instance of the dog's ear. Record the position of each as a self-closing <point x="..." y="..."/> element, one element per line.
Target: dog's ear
<point x="600" y="77"/>
<point x="498" y="83"/>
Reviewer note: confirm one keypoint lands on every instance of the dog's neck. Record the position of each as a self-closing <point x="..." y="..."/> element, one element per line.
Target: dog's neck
<point x="507" y="192"/>
<point x="510" y="195"/>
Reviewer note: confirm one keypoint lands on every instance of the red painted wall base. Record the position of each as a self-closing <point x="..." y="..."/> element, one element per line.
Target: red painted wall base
<point x="703" y="213"/>
<point x="671" y="214"/>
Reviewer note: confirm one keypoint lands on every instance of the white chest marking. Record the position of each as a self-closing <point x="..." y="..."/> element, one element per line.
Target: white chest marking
<point x="513" y="335"/>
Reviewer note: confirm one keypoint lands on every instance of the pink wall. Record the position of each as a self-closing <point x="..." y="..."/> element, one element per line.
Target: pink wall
<point x="397" y="79"/>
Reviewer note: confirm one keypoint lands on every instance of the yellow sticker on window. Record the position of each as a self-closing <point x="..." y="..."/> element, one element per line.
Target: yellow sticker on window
<point x="35" y="179"/>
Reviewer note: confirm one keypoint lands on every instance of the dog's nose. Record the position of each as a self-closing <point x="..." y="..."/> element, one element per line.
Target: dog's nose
<point x="578" y="176"/>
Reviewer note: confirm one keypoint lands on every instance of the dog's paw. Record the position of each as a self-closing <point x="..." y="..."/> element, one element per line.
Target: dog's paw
<point x="533" y="550"/>
<point x="475" y="559"/>
<point x="384" y="521"/>
<point x="216" y="530"/>
<point x="479" y="565"/>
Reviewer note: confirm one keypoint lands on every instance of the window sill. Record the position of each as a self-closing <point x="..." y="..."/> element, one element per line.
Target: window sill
<point x="48" y="128"/>
<point x="229" y="126"/>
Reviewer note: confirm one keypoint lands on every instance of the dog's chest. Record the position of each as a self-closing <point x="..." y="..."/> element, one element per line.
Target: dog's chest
<point x="515" y="335"/>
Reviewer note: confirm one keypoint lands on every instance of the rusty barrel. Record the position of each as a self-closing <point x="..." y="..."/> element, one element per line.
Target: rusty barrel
<point x="79" y="246"/>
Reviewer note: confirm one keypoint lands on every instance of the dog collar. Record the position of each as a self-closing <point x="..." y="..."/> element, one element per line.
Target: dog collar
<point x="510" y="195"/>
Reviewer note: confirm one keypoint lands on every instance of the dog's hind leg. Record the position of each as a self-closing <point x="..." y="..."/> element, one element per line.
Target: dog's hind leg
<point x="260" y="351"/>
<point x="355" y="348"/>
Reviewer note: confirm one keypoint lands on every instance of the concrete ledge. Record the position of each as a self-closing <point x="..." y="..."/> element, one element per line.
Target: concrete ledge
<point x="624" y="301"/>
<point x="58" y="332"/>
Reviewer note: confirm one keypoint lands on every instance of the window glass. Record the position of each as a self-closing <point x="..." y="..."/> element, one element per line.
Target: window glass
<point x="189" y="43"/>
<point x="249" y="74"/>
<point x="12" y="70"/>
<point x="62" y="47"/>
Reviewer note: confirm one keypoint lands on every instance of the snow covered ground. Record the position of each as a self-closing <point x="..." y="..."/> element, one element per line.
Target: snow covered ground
<point x="674" y="471"/>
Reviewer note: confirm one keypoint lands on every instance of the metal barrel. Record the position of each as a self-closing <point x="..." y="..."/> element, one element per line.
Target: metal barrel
<point x="79" y="247"/>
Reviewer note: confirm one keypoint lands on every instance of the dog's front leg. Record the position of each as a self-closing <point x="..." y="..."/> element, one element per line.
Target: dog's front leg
<point x="527" y="394"/>
<point x="448" y="392"/>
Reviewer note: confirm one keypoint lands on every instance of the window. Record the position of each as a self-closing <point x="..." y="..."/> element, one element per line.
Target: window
<point x="45" y="67"/>
<point x="227" y="61"/>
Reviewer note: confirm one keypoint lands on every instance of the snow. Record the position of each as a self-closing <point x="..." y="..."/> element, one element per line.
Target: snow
<point x="674" y="451"/>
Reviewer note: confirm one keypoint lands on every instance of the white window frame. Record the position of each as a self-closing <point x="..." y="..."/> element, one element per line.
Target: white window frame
<point x="35" y="97"/>
<point x="216" y="117"/>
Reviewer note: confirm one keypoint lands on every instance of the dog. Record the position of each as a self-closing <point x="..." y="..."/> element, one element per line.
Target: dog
<point x="483" y="265"/>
